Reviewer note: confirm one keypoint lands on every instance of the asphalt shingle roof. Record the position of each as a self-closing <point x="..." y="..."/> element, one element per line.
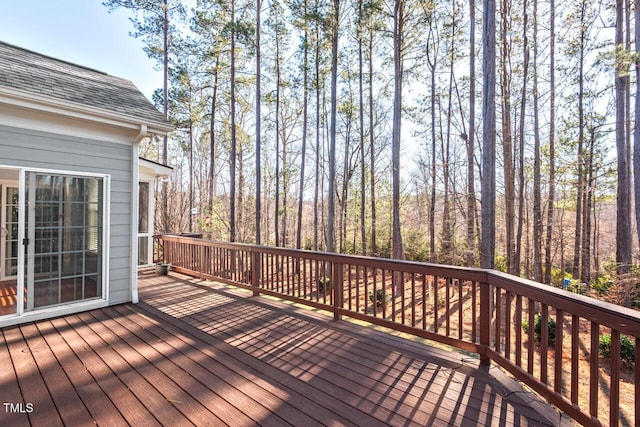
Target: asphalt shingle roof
<point x="53" y="78"/>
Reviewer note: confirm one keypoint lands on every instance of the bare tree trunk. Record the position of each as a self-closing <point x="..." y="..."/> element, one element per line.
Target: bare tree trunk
<point x="305" y="102"/>
<point x="432" y="63"/>
<point x="636" y="133"/>
<point x="258" y="125"/>
<point x="276" y="218"/>
<point x="363" y="199"/>
<point x="447" y="246"/>
<point x="623" y="223"/>
<point x="372" y="151"/>
<point x="537" y="198"/>
<point x="585" y="274"/>
<point x="523" y="108"/>
<point x="507" y="143"/>
<point x="580" y="189"/>
<point x="316" y="194"/>
<point x="332" y="131"/>
<point x="471" y="195"/>
<point x="165" y="106"/>
<point x="212" y="137"/>
<point x="552" y="150"/>
<point x="232" y="171"/>
<point x="488" y="197"/>
<point x="398" y="74"/>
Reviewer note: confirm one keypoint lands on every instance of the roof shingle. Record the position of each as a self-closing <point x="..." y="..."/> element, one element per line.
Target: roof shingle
<point x="53" y="78"/>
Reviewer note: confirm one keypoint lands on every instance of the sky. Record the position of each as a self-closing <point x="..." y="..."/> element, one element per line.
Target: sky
<point x="82" y="32"/>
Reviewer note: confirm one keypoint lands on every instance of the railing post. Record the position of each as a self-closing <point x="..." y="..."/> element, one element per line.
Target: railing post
<point x="337" y="279"/>
<point x="485" y="322"/>
<point x="256" y="272"/>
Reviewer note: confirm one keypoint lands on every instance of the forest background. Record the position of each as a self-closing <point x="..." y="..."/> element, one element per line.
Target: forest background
<point x="360" y="127"/>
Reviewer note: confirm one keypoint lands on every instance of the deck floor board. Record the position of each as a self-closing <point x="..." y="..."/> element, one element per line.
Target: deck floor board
<point x="199" y="353"/>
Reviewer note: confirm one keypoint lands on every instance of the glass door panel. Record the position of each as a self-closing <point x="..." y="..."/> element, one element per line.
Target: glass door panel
<point x="64" y="229"/>
<point x="8" y="249"/>
<point x="9" y="232"/>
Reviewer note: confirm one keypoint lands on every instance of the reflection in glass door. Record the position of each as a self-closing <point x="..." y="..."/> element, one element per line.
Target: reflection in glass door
<point x="10" y="232"/>
<point x="64" y="234"/>
<point x="8" y="249"/>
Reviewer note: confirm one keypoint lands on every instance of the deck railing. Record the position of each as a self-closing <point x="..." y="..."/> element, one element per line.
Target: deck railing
<point x="495" y="315"/>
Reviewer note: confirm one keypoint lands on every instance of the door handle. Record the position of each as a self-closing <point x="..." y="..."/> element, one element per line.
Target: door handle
<point x="5" y="232"/>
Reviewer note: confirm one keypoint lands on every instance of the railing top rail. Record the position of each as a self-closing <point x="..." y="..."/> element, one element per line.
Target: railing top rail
<point x="445" y="271"/>
<point x="604" y="313"/>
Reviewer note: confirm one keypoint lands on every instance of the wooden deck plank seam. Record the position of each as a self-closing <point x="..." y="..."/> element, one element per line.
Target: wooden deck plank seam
<point x="125" y="322"/>
<point x="200" y="313"/>
<point x="259" y="368"/>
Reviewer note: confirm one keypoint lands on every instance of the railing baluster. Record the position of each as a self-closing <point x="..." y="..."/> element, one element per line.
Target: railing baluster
<point x="507" y="325"/>
<point x="557" y="363"/>
<point x="413" y="300"/>
<point x="436" y="326"/>
<point x="594" y="376"/>
<point x="497" y="341"/>
<point x="424" y="302"/>
<point x="447" y="307"/>
<point x="531" y="306"/>
<point x="518" y="330"/>
<point x="544" y="343"/>
<point x="614" y="386"/>
<point x="575" y="345"/>
<point x="460" y="310"/>
<point x="636" y="374"/>
<point x="474" y="315"/>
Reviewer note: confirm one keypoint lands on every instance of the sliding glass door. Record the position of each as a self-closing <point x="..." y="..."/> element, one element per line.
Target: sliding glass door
<point x="64" y="233"/>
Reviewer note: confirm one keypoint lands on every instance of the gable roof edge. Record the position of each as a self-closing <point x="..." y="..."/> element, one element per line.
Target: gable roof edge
<point x="25" y="99"/>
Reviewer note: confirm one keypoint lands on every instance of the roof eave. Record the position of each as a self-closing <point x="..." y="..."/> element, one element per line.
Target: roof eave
<point x="24" y="99"/>
<point x="159" y="170"/>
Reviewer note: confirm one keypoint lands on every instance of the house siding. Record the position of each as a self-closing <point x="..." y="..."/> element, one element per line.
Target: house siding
<point x="35" y="149"/>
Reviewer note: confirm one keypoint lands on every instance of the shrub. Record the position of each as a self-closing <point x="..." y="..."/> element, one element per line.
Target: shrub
<point x="551" y="325"/>
<point x="382" y="298"/>
<point x="558" y="276"/>
<point x="602" y="285"/>
<point x="627" y="348"/>
<point x="324" y="284"/>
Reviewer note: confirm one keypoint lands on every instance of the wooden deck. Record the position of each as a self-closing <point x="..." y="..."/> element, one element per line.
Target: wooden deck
<point x="197" y="353"/>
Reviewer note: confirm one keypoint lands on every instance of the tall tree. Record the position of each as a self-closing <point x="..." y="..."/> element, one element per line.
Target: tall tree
<point x="232" y="113"/>
<point x="258" y="211"/>
<point x="636" y="132"/>
<point x="623" y="214"/>
<point x="398" y="74"/>
<point x="507" y="140"/>
<point x="470" y="140"/>
<point x="552" y="149"/>
<point x="331" y="213"/>
<point x="360" y="35"/>
<point x="305" y="102"/>
<point x="537" y="197"/>
<point x="152" y="24"/>
<point x="580" y="184"/>
<point x="522" y="131"/>
<point x="488" y="196"/>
